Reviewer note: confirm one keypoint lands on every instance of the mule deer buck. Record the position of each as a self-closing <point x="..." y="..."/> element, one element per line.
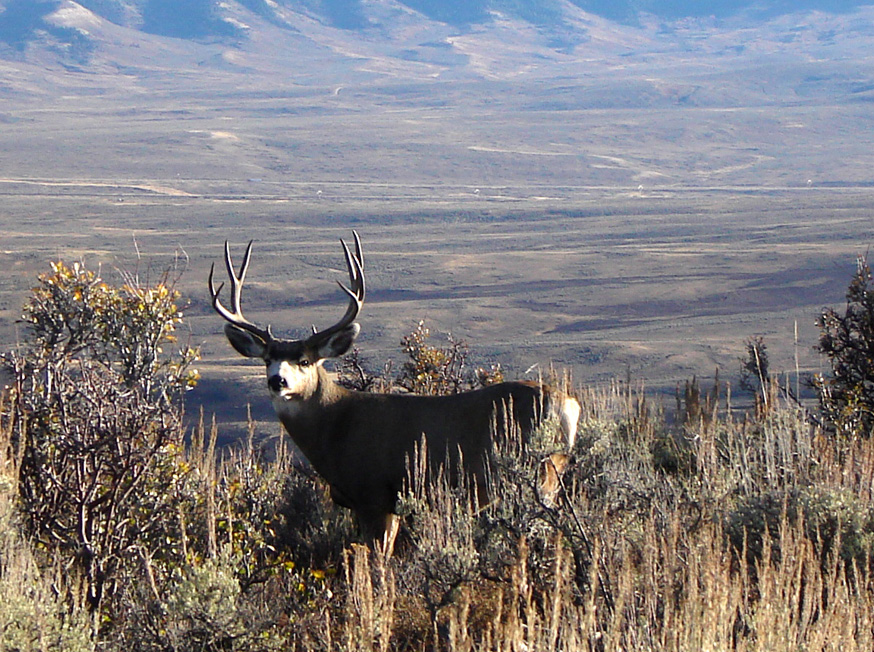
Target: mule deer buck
<point x="361" y="442"/>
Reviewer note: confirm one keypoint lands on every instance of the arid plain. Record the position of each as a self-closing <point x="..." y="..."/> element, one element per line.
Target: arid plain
<point x="631" y="218"/>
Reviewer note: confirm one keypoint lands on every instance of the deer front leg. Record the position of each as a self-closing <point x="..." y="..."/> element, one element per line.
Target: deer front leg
<point x="379" y="529"/>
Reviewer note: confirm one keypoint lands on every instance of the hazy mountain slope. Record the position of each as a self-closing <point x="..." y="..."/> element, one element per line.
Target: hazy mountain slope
<point x="401" y="38"/>
<point x="24" y="22"/>
<point x="189" y="19"/>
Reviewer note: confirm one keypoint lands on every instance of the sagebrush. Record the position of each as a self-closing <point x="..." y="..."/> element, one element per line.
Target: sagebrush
<point x="704" y="529"/>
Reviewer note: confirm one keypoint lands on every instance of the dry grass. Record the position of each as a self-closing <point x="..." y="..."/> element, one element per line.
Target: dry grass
<point x="33" y="618"/>
<point x="639" y="558"/>
<point x="720" y="533"/>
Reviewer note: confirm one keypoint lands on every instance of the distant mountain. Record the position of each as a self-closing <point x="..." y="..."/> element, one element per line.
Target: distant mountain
<point x="23" y="19"/>
<point x="442" y="34"/>
<point x="198" y="19"/>
<point x="631" y="10"/>
<point x="189" y="19"/>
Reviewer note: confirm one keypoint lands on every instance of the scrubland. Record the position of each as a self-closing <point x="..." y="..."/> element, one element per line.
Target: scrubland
<point x="685" y="526"/>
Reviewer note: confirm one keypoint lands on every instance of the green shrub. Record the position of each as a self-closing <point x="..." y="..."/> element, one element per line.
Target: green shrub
<point x="846" y="396"/>
<point x="201" y="605"/>
<point x="427" y="369"/>
<point x="204" y="609"/>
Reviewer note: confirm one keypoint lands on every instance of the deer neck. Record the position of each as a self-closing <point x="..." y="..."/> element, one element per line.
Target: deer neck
<point x="309" y="418"/>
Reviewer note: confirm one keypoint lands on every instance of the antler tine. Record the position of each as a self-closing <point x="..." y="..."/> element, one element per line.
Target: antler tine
<point x="358" y="254"/>
<point x="236" y="317"/>
<point x="237" y="281"/>
<point x="355" y="266"/>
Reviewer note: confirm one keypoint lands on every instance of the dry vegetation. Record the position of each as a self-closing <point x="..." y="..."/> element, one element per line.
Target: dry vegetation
<point x="710" y="530"/>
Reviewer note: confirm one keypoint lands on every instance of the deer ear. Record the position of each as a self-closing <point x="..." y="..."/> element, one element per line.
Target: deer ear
<point x="339" y="343"/>
<point x="245" y="343"/>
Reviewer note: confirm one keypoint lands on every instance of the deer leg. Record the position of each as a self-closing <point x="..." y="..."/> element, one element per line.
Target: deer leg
<point x="392" y="525"/>
<point x="379" y="529"/>
<point x="549" y="477"/>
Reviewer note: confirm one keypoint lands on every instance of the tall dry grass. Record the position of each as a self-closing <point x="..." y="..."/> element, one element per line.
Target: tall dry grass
<point x="715" y="531"/>
<point x="755" y="535"/>
<point x="33" y="616"/>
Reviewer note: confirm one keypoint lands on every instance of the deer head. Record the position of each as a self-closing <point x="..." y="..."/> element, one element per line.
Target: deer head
<point x="292" y="365"/>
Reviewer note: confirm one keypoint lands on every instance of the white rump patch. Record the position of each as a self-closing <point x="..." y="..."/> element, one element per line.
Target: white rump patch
<point x="569" y="417"/>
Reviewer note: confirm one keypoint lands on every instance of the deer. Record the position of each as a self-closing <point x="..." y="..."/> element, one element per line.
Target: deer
<point x="361" y="443"/>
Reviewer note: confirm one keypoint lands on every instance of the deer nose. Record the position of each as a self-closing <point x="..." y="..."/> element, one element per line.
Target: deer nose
<point x="276" y="382"/>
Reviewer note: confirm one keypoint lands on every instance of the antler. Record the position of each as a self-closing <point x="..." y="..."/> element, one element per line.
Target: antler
<point x="355" y="265"/>
<point x="236" y="318"/>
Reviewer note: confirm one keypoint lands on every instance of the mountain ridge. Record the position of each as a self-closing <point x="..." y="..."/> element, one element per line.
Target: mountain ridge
<point x="409" y="38"/>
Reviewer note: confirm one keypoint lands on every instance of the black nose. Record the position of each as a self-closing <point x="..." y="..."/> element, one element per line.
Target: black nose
<point x="276" y="382"/>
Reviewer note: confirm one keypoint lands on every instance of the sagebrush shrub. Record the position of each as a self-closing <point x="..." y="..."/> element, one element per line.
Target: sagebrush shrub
<point x="426" y="368"/>
<point x="33" y="619"/>
<point x="95" y="407"/>
<point x="835" y="521"/>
